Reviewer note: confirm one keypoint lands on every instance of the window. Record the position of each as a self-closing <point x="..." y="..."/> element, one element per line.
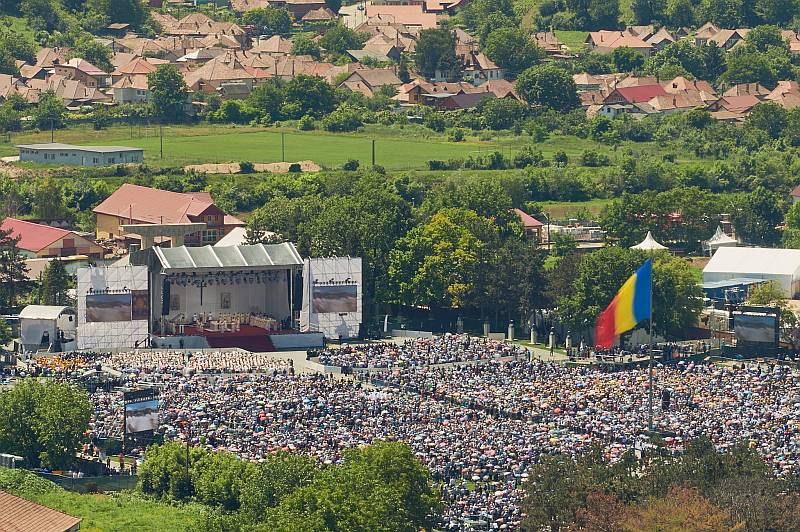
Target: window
<point x="209" y="236"/>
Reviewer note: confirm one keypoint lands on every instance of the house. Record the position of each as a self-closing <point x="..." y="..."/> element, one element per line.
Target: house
<point x="728" y="39"/>
<point x="454" y="102"/>
<point x="383" y="53"/>
<point x="605" y="42"/>
<point x="478" y="68"/>
<point x="405" y="15"/>
<point x="795" y="195"/>
<point x="82" y="71"/>
<point x="631" y="95"/>
<point x="134" y="204"/>
<point x="747" y="89"/>
<point x="676" y="102"/>
<point x="56" y="153"/>
<point x="368" y="81"/>
<point x="738" y="105"/>
<point x="682" y="84"/>
<point x="21" y="515"/>
<point x="547" y="41"/>
<point x="300" y="8"/>
<point x="73" y="92"/>
<point x="131" y="89"/>
<point x="210" y="77"/>
<point x="275" y="45"/>
<point x="317" y="16"/>
<point x="704" y="33"/>
<point x="586" y="82"/>
<point x="533" y="227"/>
<point x="44" y="241"/>
<point x="786" y="94"/>
<point x="660" y="40"/>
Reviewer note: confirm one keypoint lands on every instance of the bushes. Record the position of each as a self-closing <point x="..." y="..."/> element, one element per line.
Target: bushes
<point x="593" y="159"/>
<point x="306" y="123"/>
<point x="435" y="121"/>
<point x="456" y="134"/>
<point x="344" y="118"/>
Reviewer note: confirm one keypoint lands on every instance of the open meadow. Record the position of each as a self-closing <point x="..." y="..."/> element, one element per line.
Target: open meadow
<point x="395" y="149"/>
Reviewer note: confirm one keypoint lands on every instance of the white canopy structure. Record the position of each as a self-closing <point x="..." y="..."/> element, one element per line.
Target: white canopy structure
<point x="649" y="244"/>
<point x="719" y="240"/>
<point x="46" y="327"/>
<point x="779" y="265"/>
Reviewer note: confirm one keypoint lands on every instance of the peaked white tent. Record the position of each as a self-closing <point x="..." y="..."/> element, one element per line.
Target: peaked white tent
<point x="649" y="244"/>
<point x="719" y="240"/>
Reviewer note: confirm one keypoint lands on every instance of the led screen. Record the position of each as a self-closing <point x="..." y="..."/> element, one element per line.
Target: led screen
<point x="342" y="298"/>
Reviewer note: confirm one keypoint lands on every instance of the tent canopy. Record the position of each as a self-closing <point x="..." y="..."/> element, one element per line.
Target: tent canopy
<point x="649" y="244"/>
<point x="44" y="312"/>
<point x="720" y="239"/>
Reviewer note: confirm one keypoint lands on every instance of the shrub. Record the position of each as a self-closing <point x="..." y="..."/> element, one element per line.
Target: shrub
<point x="351" y="165"/>
<point x="306" y="123"/>
<point x="294" y="168"/>
<point x="344" y="118"/>
<point x="593" y="159"/>
<point x="435" y="122"/>
<point x="560" y="158"/>
<point x="246" y="167"/>
<point x="456" y="134"/>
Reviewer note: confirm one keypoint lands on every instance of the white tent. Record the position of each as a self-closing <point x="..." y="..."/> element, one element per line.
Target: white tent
<point x="779" y="265"/>
<point x="42" y="325"/>
<point x="719" y="240"/>
<point x="649" y="244"/>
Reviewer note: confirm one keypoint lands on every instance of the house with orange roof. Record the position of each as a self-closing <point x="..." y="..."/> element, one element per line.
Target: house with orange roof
<point x="134" y="204"/>
<point x="83" y="71"/>
<point x="44" y="241"/>
<point x="605" y="42"/>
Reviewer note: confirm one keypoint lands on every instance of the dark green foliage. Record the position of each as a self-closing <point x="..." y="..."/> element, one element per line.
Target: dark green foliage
<point x="436" y="52"/>
<point x="548" y="86"/>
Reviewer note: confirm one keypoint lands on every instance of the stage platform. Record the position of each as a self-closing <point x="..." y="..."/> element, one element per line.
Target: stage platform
<point x="254" y="339"/>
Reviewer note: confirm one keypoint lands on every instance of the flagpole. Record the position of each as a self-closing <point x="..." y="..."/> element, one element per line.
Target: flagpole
<point x="650" y="364"/>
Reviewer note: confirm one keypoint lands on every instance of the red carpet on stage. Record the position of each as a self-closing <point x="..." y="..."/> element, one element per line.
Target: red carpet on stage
<point x="253" y="339"/>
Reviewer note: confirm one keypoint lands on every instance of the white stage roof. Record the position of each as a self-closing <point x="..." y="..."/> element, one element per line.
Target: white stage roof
<point x="44" y="312"/>
<point x="257" y="257"/>
<point x="749" y="262"/>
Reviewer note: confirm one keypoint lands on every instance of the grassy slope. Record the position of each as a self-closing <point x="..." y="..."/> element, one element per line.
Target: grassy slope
<point x="18" y="25"/>
<point x="396" y="149"/>
<point x="120" y="512"/>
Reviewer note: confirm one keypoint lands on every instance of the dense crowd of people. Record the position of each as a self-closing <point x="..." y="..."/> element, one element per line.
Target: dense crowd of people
<point x="477" y="426"/>
<point x="447" y="349"/>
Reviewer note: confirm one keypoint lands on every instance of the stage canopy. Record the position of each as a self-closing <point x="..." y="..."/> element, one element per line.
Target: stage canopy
<point x="213" y="258"/>
<point x="649" y="244"/>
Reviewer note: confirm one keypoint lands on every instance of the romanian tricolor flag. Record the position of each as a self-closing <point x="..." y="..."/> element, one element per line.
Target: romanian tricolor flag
<point x="631" y="305"/>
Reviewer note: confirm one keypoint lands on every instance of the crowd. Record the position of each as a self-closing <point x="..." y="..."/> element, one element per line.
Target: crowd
<point x="447" y="349"/>
<point x="224" y="361"/>
<point x="477" y="426"/>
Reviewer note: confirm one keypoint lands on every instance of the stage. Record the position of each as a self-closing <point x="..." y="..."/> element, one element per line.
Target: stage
<point x="249" y="338"/>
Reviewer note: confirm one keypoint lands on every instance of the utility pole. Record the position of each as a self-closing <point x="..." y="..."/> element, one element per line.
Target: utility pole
<point x="161" y="138"/>
<point x="373" y="152"/>
<point x="283" y="147"/>
<point x="52" y="131"/>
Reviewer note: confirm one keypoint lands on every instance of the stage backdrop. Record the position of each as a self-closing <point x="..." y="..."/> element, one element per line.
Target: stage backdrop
<point x="113" y="304"/>
<point x="332" y="297"/>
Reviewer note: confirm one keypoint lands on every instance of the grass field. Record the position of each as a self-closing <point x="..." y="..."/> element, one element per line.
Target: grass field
<point x="120" y="512"/>
<point x="573" y="39"/>
<point x="18" y="25"/>
<point x="395" y="149"/>
<point x="560" y="210"/>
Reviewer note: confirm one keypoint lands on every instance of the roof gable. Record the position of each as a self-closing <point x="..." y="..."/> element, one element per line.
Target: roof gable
<point x="34" y="237"/>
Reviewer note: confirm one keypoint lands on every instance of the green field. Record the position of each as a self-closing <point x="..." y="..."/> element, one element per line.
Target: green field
<point x="395" y="149"/>
<point x="573" y="39"/>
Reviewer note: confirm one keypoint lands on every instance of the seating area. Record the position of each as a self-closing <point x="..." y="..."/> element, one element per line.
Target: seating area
<point x="233" y="322"/>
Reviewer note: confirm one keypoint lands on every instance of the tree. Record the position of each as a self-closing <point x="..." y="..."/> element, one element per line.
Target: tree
<point x="746" y="66"/>
<point x="86" y="47"/>
<point x="676" y="296"/>
<point x="132" y="12"/>
<point x="5" y="333"/>
<point x="304" y="44"/>
<point x="379" y="487"/>
<point x="436" y="53"/>
<point x="680" y="13"/>
<point x="768" y="117"/>
<point x="627" y="59"/>
<point x="681" y="509"/>
<point x="218" y="479"/>
<point x="267" y="98"/>
<point x="169" y="93"/>
<point x="713" y="60"/>
<point x="512" y="50"/>
<point x="648" y="11"/>
<point x="340" y="38"/>
<point x="756" y="217"/>
<point x="163" y="473"/>
<point x="49" y="112"/>
<point x="768" y="293"/>
<point x="764" y="37"/>
<point x="54" y="284"/>
<point x="553" y="493"/>
<point x="13" y="269"/>
<point x="273" y="479"/>
<point x="602" y="513"/>
<point x="723" y="13"/>
<point x="48" y="200"/>
<point x="308" y="95"/>
<point x="548" y="86"/>
<point x="501" y="113"/>
<point x="402" y="70"/>
<point x="436" y="264"/>
<point x="269" y="20"/>
<point x="778" y="12"/>
<point x="44" y="423"/>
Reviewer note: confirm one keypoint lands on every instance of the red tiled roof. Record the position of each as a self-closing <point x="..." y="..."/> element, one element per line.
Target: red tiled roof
<point x="151" y="205"/>
<point x="795" y="192"/>
<point x="33" y="237"/>
<point x="640" y="93"/>
<point x="20" y="515"/>
<point x="527" y="220"/>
